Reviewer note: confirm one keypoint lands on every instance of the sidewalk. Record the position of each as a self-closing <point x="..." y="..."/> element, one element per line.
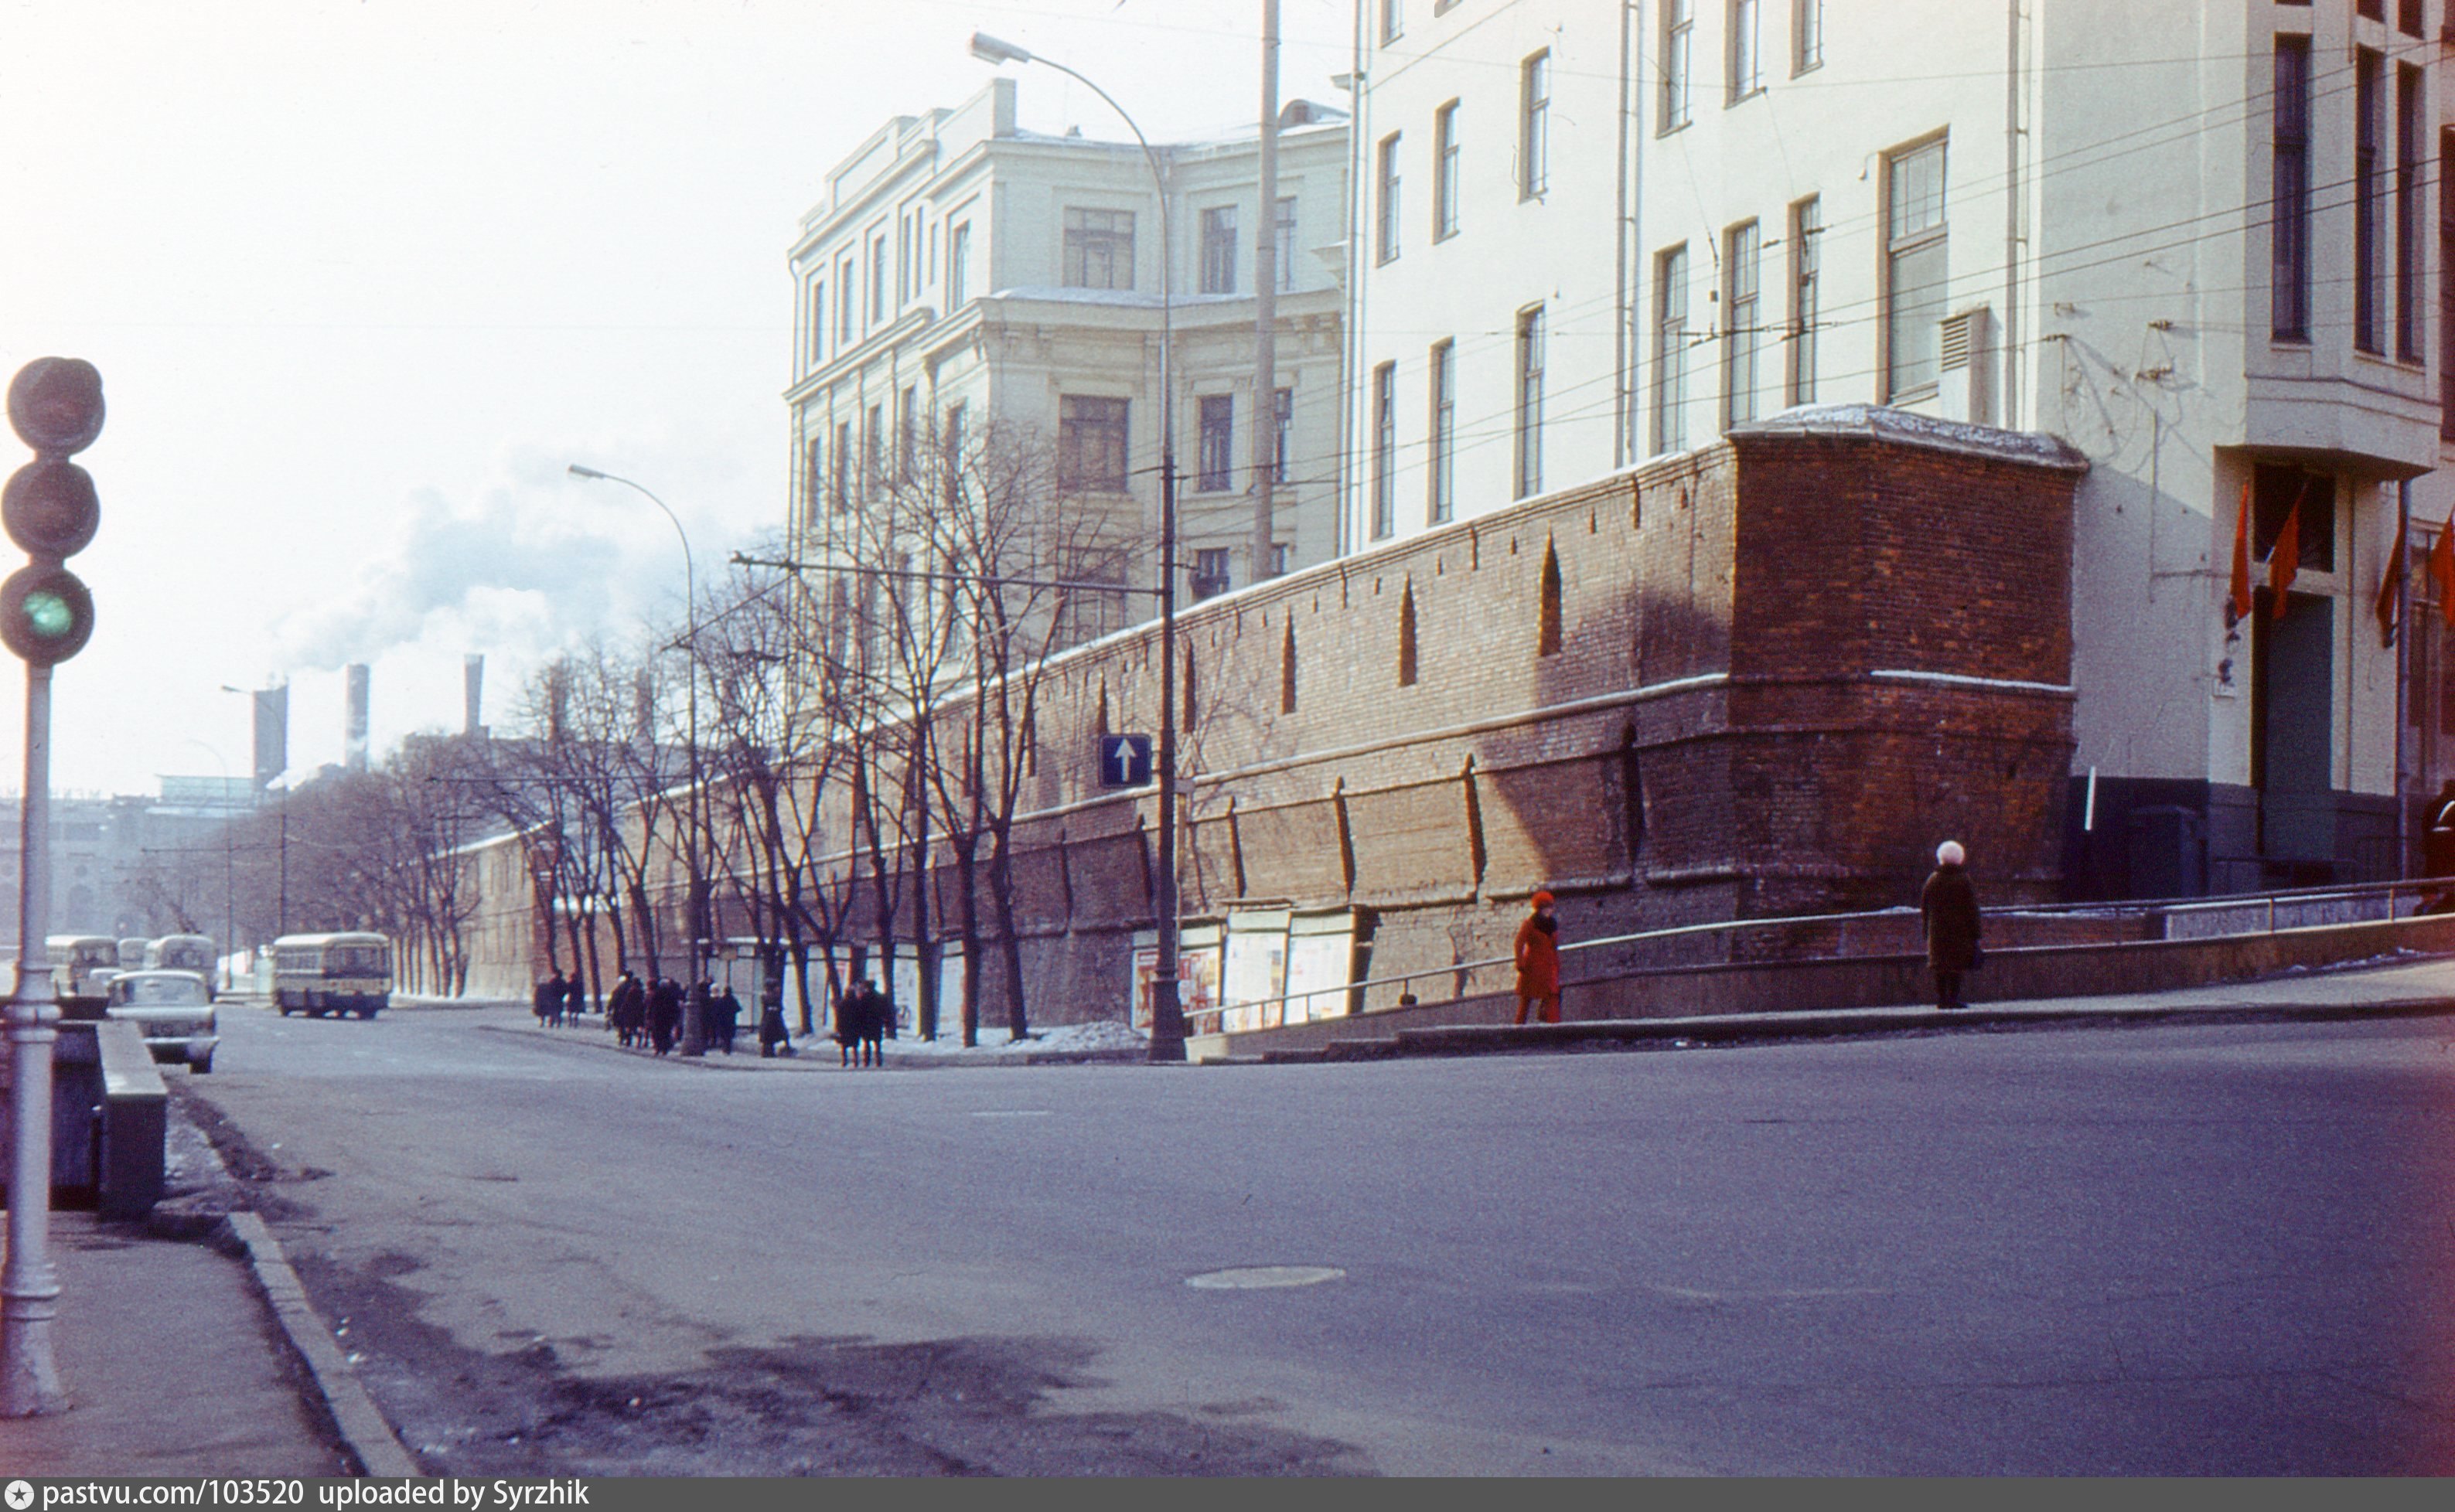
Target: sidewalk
<point x="173" y="1365"/>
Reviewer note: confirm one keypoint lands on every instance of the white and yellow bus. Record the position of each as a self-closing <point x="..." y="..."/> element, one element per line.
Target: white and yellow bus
<point x="343" y="973"/>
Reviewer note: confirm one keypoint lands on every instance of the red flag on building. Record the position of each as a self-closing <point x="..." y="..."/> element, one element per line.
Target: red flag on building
<point x="2284" y="559"/>
<point x="2238" y="602"/>
<point x="2441" y="571"/>
<point x="2389" y="582"/>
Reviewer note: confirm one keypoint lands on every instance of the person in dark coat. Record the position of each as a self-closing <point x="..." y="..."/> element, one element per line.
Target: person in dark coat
<point x="1538" y="961"/>
<point x="723" y="1019"/>
<point x="848" y="1010"/>
<point x="546" y="1002"/>
<point x="1948" y="907"/>
<point x="772" y="1033"/>
<point x="664" y="1015"/>
<point x="876" y="1022"/>
<point x="627" y="1009"/>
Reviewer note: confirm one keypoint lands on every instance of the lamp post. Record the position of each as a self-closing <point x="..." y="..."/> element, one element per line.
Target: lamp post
<point x="693" y="1021"/>
<point x="1168" y="1014"/>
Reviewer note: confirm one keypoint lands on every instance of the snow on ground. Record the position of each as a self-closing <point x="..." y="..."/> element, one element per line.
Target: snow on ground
<point x="1059" y="1038"/>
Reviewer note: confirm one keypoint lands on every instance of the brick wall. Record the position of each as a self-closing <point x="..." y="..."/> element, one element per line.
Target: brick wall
<point x="1662" y="694"/>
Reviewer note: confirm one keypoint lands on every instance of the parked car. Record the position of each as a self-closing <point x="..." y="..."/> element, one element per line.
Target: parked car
<point x="174" y="1010"/>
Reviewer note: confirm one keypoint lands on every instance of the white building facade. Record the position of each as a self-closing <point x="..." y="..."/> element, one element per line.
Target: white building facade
<point x="2201" y="243"/>
<point x="961" y="271"/>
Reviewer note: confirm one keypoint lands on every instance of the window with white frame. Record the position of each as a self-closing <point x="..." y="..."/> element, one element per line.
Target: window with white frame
<point x="1219" y="250"/>
<point x="1741" y="335"/>
<point x="848" y="302"/>
<point x="1385" y="449"/>
<point x="1283" y="417"/>
<point x="1393" y="21"/>
<point x="1445" y="171"/>
<point x="1441" y="494"/>
<point x="1678" y="44"/>
<point x="1914" y="290"/>
<point x="1092" y="442"/>
<point x="818" y="321"/>
<point x="1284" y="229"/>
<point x="1806" y="35"/>
<point x="1806" y="294"/>
<point x="958" y="264"/>
<point x="878" y="279"/>
<point x="1670" y="350"/>
<point x="1530" y="401"/>
<point x="1099" y="249"/>
<point x="1534" y="125"/>
<point x="1386" y="242"/>
<point x="1217" y="453"/>
<point x="1746" y="50"/>
<point x="841" y="483"/>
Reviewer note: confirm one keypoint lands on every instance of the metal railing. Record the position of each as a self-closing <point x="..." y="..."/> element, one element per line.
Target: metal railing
<point x="1350" y="998"/>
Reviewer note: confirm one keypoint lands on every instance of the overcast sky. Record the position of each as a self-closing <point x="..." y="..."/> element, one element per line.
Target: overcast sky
<point x="363" y="276"/>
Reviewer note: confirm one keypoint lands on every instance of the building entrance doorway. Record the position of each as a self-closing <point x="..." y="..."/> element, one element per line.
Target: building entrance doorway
<point x="2292" y="710"/>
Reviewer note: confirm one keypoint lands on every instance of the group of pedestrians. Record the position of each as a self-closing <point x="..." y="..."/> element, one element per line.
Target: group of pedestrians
<point x="860" y="1025"/>
<point x="650" y="1016"/>
<point x="556" y="998"/>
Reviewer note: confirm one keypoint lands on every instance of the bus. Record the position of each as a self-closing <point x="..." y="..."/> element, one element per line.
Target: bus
<point x="131" y="951"/>
<point x="79" y="963"/>
<point x="194" y="953"/>
<point x="342" y="973"/>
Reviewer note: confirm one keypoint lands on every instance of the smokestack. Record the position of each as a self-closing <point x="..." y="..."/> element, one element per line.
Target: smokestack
<point x="473" y="684"/>
<point x="557" y="700"/>
<point x="354" y="728"/>
<point x="272" y="733"/>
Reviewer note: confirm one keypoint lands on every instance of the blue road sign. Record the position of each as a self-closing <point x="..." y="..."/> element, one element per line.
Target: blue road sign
<point x="1125" y="760"/>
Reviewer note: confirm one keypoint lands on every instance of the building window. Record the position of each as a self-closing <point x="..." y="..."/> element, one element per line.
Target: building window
<point x="1279" y="559"/>
<point x="1092" y="442"/>
<point x="1746" y="50"/>
<point x="2289" y="291"/>
<point x="1284" y="229"/>
<point x="1806" y="293"/>
<point x="1740" y="256"/>
<point x="873" y="453"/>
<point x="878" y="278"/>
<point x="2369" y="190"/>
<point x="1445" y="165"/>
<point x="954" y="439"/>
<point x="2279" y="489"/>
<point x="907" y="435"/>
<point x="843" y="466"/>
<point x="1087" y="614"/>
<point x="929" y="264"/>
<point x="905" y="248"/>
<point x="847" y="303"/>
<point x="1678" y="39"/>
<point x="1530" y="401"/>
<point x="1283" y="414"/>
<point x="1218" y="448"/>
<point x="815" y="489"/>
<point x="1806" y="35"/>
<point x="1407" y="637"/>
<point x="1099" y="249"/>
<point x="818" y="321"/>
<point x="2408" y="126"/>
<point x="1384" y="448"/>
<point x="1441" y="504"/>
<point x="1671" y="351"/>
<point x="1288" y="666"/>
<point x="1393" y="21"/>
<point x="1914" y="272"/>
<point x="1547" y="607"/>
<point x="1219" y="250"/>
<point x="1386" y="246"/>
<point x="958" y="264"/>
<point x="2408" y="17"/>
<point x="1210" y="572"/>
<point x="1534" y="125"/>
<point x="2370" y="9"/>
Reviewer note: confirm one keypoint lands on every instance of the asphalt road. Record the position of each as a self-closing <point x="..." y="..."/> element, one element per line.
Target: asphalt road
<point x="2168" y="1251"/>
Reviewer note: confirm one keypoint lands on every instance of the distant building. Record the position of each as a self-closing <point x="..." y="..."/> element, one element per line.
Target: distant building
<point x="961" y="272"/>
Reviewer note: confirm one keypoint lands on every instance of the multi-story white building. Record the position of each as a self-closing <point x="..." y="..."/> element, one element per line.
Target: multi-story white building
<point x="2196" y="241"/>
<point x="961" y="271"/>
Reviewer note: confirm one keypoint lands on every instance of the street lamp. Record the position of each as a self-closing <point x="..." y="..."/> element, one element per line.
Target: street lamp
<point x="1168" y="1014"/>
<point x="694" y="1022"/>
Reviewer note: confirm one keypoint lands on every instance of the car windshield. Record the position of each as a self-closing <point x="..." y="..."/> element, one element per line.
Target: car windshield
<point x="159" y="992"/>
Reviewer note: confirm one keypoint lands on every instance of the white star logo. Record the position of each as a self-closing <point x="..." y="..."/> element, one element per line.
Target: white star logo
<point x="21" y="1496"/>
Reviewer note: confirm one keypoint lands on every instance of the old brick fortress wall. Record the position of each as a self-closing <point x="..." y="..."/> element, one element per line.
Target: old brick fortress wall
<point x="1761" y="679"/>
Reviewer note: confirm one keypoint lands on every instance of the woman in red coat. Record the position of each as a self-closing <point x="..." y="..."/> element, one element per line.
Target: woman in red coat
<point x="1538" y="962"/>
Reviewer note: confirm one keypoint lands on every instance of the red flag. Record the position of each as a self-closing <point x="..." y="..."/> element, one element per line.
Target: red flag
<point x="2390" y="581"/>
<point x="2441" y="571"/>
<point x="2238" y="602"/>
<point x="2284" y="559"/>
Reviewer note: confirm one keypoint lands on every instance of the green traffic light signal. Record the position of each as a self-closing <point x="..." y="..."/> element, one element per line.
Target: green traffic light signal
<point x="46" y="615"/>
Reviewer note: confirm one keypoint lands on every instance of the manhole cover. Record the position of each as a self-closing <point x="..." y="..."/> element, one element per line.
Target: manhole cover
<point x="1261" y="1277"/>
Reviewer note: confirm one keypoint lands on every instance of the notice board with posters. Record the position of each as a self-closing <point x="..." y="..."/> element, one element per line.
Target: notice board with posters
<point x="1198" y="963"/>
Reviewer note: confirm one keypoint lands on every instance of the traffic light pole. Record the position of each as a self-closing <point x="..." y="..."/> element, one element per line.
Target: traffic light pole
<point x="30" y="1288"/>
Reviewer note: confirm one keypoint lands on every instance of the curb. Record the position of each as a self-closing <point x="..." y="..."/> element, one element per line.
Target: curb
<point x="808" y="1061"/>
<point x="1468" y="1039"/>
<point x="364" y="1433"/>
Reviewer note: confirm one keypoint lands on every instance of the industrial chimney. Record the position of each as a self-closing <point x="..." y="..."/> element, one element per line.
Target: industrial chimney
<point x="354" y="728"/>
<point x="272" y="733"/>
<point x="473" y="686"/>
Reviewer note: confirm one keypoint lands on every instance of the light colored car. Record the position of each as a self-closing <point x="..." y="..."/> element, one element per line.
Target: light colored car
<point x="174" y="1010"/>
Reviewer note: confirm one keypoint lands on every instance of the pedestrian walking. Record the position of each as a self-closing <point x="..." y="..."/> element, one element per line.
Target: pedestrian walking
<point x="1948" y="908"/>
<point x="546" y="1001"/>
<point x="848" y="1011"/>
<point x="1538" y="961"/>
<point x="723" y="1019"/>
<point x="626" y="1010"/>
<point x="877" y="1025"/>
<point x="773" y="1037"/>
<point x="664" y="1015"/>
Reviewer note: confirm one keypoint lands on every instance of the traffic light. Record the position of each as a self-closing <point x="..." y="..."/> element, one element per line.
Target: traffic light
<point x="50" y="509"/>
